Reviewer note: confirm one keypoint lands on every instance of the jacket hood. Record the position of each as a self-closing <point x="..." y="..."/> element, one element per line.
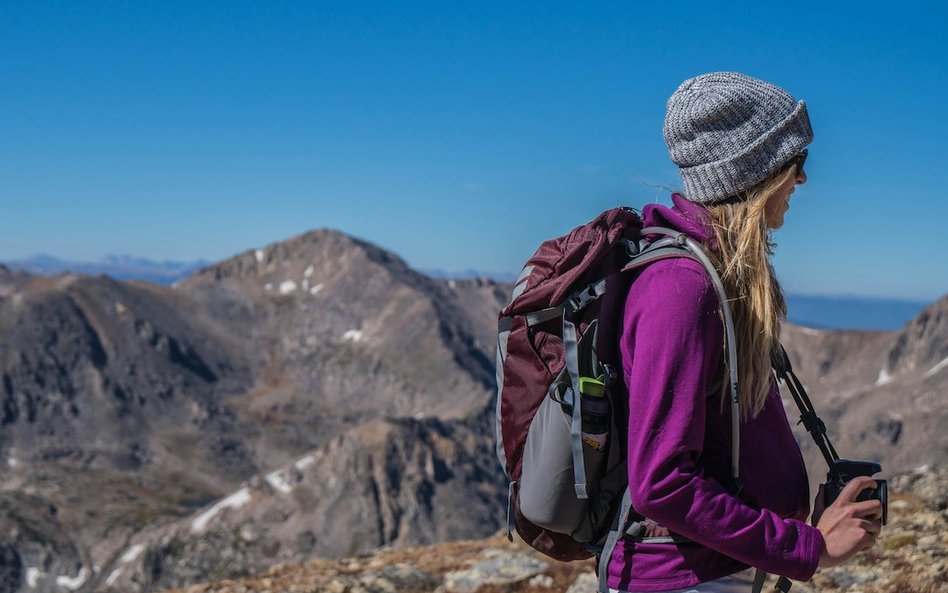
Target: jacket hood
<point x="685" y="216"/>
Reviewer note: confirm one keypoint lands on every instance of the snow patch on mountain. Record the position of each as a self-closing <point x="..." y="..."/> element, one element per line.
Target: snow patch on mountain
<point x="32" y="576"/>
<point x="132" y="553"/>
<point x="305" y="462"/>
<point x="934" y="370"/>
<point x="884" y="378"/>
<point x="113" y="576"/>
<point x="234" y="501"/>
<point x="72" y="583"/>
<point x="278" y="482"/>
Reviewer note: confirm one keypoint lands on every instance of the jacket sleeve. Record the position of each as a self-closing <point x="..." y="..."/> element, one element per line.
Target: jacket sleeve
<point x="671" y="346"/>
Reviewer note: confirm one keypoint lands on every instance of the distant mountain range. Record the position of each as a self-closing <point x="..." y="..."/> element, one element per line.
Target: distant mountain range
<point x="120" y="267"/>
<point x="816" y="311"/>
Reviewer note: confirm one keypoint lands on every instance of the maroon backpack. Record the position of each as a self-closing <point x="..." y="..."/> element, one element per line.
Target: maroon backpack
<point x="565" y="455"/>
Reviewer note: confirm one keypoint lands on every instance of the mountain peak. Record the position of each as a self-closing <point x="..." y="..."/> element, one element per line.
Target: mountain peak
<point x="304" y="259"/>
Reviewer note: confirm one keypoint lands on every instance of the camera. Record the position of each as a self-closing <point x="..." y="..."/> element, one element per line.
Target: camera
<point x="843" y="471"/>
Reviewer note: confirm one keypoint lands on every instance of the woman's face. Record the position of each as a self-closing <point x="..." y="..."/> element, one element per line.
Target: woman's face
<point x="779" y="202"/>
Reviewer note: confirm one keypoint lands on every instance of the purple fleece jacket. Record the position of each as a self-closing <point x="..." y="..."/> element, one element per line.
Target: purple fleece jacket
<point x="680" y="439"/>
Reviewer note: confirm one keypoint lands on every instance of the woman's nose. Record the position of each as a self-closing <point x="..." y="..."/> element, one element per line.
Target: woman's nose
<point x="801" y="177"/>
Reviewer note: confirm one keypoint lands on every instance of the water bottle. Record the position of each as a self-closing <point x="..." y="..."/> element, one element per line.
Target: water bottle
<point x="595" y="412"/>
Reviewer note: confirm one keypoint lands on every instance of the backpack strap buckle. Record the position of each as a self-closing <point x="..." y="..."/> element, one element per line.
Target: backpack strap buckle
<point x="647" y="531"/>
<point x="632" y="248"/>
<point x="582" y="297"/>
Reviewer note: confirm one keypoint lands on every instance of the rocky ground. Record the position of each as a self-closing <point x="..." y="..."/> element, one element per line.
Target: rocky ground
<point x="911" y="556"/>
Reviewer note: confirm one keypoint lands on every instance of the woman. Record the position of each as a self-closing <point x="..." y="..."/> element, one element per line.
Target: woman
<point x="739" y="143"/>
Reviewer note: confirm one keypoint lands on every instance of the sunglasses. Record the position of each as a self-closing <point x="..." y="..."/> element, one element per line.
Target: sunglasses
<point x="798" y="160"/>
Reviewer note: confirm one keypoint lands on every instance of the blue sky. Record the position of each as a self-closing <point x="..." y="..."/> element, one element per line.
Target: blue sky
<point x="458" y="134"/>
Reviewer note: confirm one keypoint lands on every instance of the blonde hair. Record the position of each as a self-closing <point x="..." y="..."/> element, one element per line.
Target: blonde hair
<point x="742" y="258"/>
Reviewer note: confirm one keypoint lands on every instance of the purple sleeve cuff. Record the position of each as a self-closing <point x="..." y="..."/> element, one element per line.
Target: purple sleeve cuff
<point x="812" y="548"/>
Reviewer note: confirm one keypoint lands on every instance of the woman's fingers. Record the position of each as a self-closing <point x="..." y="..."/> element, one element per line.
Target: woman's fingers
<point x="855" y="486"/>
<point x="873" y="528"/>
<point x="849" y="525"/>
<point x="868" y="509"/>
<point x="870" y="540"/>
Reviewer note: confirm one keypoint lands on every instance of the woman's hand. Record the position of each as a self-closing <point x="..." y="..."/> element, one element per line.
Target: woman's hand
<point x="848" y="526"/>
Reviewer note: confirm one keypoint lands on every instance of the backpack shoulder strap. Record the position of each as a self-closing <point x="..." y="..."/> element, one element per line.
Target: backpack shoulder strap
<point x="678" y="244"/>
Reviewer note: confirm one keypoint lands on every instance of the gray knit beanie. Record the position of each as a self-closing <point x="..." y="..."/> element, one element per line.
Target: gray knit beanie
<point x="727" y="131"/>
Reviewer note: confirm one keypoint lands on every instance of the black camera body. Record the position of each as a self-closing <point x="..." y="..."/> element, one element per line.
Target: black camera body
<point x="844" y="470"/>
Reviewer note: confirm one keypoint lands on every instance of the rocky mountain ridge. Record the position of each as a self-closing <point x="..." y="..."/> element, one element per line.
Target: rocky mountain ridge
<point x="128" y="408"/>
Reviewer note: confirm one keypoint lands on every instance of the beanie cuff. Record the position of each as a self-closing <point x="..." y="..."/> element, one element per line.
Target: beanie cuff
<point x="716" y="181"/>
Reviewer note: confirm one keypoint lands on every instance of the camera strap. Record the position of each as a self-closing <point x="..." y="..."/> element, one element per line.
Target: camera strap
<point x="783" y="584"/>
<point x="813" y="424"/>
